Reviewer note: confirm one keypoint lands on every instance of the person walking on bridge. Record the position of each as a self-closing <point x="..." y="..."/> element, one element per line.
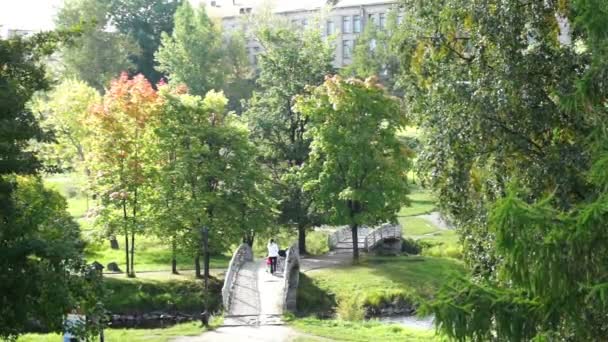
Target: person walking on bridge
<point x="273" y="253"/>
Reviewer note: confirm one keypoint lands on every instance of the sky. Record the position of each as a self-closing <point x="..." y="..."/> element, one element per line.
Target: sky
<point x="28" y="14"/>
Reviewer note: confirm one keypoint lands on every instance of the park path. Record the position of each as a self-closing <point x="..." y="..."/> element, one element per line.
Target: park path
<point x="255" y="312"/>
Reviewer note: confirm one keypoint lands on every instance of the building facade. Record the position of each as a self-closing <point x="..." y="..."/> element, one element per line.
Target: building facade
<point x="344" y="20"/>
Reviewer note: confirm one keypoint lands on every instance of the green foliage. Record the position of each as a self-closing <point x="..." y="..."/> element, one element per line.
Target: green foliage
<point x="144" y="21"/>
<point x="290" y="62"/>
<point x="350" y="309"/>
<point x="357" y="165"/>
<point x="375" y="53"/>
<point x="519" y="162"/>
<point x="42" y="260"/>
<point x="207" y="174"/>
<point x="137" y="296"/>
<point x="120" y="153"/>
<point x="65" y="109"/>
<point x="98" y="54"/>
<point x="192" y="54"/>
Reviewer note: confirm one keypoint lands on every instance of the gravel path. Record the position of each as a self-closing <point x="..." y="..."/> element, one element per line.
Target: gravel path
<point x="436" y="219"/>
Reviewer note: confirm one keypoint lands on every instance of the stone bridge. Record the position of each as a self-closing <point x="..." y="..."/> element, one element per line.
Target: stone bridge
<point x="252" y="296"/>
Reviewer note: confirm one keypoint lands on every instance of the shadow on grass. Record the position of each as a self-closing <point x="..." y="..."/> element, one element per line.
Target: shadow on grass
<point x="311" y="299"/>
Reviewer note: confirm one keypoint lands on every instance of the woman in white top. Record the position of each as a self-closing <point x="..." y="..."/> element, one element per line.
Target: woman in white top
<point x="273" y="253"/>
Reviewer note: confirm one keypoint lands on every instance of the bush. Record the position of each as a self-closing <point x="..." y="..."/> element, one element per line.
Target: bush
<point x="316" y="242"/>
<point x="351" y="308"/>
<point x="444" y="251"/>
<point x="414" y="247"/>
<point x="136" y="296"/>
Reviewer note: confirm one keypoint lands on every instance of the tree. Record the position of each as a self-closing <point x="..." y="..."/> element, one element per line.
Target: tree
<point x="290" y="62"/>
<point x="41" y="259"/>
<point x="121" y="128"/>
<point x="357" y="167"/>
<point x="65" y="109"/>
<point x="144" y="21"/>
<point x="483" y="93"/>
<point x="375" y="53"/>
<point x="208" y="164"/>
<point x="98" y="54"/>
<point x="240" y="75"/>
<point x="192" y="54"/>
<point x="520" y="102"/>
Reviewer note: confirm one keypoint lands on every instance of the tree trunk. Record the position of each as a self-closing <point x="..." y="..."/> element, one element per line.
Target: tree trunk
<point x="124" y="216"/>
<point x="132" y="254"/>
<point x="355" y="235"/>
<point x="127" y="252"/>
<point x="174" y="256"/>
<point x="197" y="265"/>
<point x="302" y="239"/>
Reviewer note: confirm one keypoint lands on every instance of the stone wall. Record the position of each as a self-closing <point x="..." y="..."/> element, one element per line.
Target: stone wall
<point x="242" y="255"/>
<point x="291" y="278"/>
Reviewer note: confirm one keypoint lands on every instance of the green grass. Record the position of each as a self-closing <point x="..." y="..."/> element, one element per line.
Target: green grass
<point x="316" y="241"/>
<point x="359" y="331"/>
<point x="133" y="295"/>
<point x="422" y="202"/>
<point x="131" y="335"/>
<point x="151" y="254"/>
<point x="416" y="226"/>
<point x="377" y="276"/>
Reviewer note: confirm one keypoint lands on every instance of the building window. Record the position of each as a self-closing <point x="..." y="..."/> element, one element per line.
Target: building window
<point x="372" y="45"/>
<point x="304" y="23"/>
<point x="357" y="24"/>
<point x="329" y="27"/>
<point x="400" y="18"/>
<point x="346" y="26"/>
<point x="371" y="18"/>
<point x="382" y="20"/>
<point x="347" y="49"/>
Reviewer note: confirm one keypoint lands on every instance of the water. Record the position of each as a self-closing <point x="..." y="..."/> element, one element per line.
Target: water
<point x="425" y="323"/>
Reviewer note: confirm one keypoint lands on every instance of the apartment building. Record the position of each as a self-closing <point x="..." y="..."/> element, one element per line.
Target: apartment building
<point x="343" y="19"/>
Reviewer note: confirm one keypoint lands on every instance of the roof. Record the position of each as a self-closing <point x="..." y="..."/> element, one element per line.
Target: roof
<point x="232" y="8"/>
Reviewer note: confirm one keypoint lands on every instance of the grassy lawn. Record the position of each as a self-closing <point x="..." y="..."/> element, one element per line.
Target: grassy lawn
<point x="422" y="202"/>
<point x="131" y="335"/>
<point x="151" y="254"/>
<point x="416" y="226"/>
<point x="359" y="331"/>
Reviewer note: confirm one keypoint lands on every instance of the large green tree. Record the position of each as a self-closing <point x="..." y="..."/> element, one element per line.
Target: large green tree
<point x="121" y="129"/>
<point x="144" y="21"/>
<point x="516" y="109"/>
<point x="290" y="62"/>
<point x="358" y="167"/>
<point x="192" y="54"/>
<point x="98" y="54"/>
<point x="64" y="111"/>
<point x="40" y="247"/>
<point x="207" y="173"/>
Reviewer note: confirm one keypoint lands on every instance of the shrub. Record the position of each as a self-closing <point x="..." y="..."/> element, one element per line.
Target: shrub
<point x="316" y="242"/>
<point x="444" y="251"/>
<point x="351" y="308"/>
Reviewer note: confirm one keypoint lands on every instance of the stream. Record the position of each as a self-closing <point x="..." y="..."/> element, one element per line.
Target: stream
<point x="425" y="323"/>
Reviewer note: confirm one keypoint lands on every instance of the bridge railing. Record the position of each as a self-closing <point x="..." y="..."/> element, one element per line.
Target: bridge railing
<point x="242" y="255"/>
<point x="338" y="235"/>
<point x="291" y="277"/>
<point x="385" y="231"/>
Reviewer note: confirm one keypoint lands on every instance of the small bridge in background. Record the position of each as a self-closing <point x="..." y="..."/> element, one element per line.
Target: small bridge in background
<point x="386" y="238"/>
<point x="251" y="296"/>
